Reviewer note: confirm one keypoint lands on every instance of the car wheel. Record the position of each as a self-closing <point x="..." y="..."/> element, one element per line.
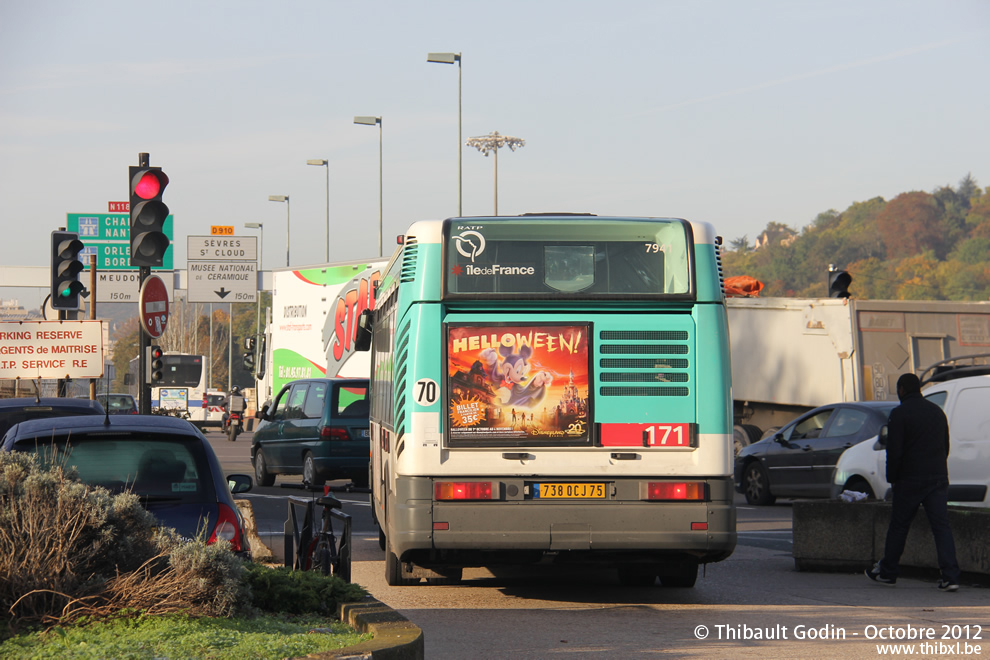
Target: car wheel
<point x="757" y="485"/>
<point x="261" y="473"/>
<point x="860" y="485"/>
<point x="309" y="471"/>
<point x="684" y="577"/>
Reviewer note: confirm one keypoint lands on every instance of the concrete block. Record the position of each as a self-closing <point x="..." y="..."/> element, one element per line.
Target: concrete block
<point x="838" y="536"/>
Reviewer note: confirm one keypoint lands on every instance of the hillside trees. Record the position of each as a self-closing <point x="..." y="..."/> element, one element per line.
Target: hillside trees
<point x="918" y="246"/>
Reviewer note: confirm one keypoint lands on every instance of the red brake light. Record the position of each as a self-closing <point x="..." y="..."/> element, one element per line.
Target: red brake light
<point x="462" y="490"/>
<point x="675" y="490"/>
<point x="333" y="433"/>
<point x="227" y="528"/>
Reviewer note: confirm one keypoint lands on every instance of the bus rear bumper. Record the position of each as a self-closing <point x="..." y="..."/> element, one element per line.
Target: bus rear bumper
<point x="473" y="532"/>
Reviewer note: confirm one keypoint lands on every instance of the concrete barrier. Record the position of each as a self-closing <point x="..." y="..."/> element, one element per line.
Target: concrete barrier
<point x="830" y="535"/>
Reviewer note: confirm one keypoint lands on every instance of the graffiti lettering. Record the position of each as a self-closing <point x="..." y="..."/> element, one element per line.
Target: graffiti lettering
<point x="350" y="303"/>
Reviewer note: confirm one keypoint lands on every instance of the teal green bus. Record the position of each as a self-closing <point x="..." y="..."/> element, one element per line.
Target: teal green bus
<point x="556" y="389"/>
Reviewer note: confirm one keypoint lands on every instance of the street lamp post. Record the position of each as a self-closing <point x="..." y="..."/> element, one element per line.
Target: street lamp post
<point x="451" y="58"/>
<point x="285" y="198"/>
<point x="372" y="121"/>
<point x="326" y="164"/>
<point x="261" y="245"/>
<point x="491" y="143"/>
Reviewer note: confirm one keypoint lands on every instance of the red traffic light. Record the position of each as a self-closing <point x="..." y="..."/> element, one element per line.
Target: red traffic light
<point x="150" y="184"/>
<point x="148" y="215"/>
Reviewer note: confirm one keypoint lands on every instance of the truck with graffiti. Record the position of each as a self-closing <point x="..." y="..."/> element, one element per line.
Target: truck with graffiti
<point x="310" y="329"/>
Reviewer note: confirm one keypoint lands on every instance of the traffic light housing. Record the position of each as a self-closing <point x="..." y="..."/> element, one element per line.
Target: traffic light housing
<point x="65" y="284"/>
<point x="250" y="343"/>
<point x="156" y="365"/>
<point x="148" y="214"/>
<point x="838" y="283"/>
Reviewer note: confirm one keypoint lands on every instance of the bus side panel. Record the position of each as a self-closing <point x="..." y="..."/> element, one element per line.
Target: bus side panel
<point x="714" y="401"/>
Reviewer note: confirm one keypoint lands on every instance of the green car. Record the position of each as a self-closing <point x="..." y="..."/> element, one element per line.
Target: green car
<point x="316" y="427"/>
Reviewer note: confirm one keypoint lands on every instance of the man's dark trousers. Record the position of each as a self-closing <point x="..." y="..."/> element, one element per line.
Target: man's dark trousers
<point x="909" y="494"/>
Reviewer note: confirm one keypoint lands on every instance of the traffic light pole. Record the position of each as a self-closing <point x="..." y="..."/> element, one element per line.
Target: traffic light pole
<point x="144" y="272"/>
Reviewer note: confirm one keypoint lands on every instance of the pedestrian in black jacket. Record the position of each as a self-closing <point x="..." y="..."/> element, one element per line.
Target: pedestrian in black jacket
<point x="917" y="468"/>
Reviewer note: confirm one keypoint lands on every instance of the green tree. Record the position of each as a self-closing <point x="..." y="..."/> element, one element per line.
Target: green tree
<point x="967" y="188"/>
<point x="873" y="279"/>
<point x="740" y="244"/>
<point x="958" y="280"/>
<point x="918" y="277"/>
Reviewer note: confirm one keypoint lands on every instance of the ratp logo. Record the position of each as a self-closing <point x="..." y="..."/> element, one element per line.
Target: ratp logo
<point x="469" y="244"/>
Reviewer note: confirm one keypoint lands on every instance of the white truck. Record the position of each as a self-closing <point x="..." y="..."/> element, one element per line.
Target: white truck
<point x="790" y="355"/>
<point x="311" y="326"/>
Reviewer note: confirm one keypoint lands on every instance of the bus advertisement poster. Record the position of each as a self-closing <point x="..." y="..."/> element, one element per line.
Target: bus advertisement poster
<point x="518" y="382"/>
<point x="173" y="398"/>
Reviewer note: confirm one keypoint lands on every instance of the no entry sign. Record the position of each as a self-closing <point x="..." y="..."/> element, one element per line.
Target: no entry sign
<point x="153" y="306"/>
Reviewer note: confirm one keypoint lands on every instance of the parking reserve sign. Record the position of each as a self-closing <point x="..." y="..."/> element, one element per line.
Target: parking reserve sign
<point x="51" y="349"/>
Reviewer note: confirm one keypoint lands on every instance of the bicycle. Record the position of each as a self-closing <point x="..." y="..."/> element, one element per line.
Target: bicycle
<point x="321" y="549"/>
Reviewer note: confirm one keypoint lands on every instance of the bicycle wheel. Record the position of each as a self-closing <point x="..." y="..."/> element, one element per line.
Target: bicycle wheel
<point x="321" y="556"/>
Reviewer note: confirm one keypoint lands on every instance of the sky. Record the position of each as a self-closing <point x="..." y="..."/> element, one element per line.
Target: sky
<point x="733" y="113"/>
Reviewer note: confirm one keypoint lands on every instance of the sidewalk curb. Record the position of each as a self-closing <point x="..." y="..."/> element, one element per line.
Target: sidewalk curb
<point x="396" y="638"/>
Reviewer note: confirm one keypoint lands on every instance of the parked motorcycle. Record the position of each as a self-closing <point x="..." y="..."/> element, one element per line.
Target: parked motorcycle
<point x="234" y="422"/>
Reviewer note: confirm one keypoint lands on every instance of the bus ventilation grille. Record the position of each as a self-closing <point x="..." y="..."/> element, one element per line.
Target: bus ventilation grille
<point x="641" y="366"/>
<point x="401" y="358"/>
<point x="718" y="263"/>
<point x="410" y="253"/>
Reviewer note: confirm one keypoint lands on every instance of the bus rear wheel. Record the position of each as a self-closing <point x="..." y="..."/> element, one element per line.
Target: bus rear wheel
<point x="683" y="577"/>
<point x="393" y="569"/>
<point x="450" y="576"/>
<point x="630" y="577"/>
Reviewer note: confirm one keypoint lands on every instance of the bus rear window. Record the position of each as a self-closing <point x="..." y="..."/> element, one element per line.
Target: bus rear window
<point x="579" y="258"/>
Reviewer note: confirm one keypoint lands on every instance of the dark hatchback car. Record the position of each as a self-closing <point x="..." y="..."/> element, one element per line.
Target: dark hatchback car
<point x="118" y="404"/>
<point x="164" y="460"/>
<point x="316" y="427"/>
<point x="15" y="411"/>
<point x="799" y="459"/>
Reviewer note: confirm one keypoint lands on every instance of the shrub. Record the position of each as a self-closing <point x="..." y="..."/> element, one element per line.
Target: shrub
<point x="298" y="592"/>
<point x="68" y="550"/>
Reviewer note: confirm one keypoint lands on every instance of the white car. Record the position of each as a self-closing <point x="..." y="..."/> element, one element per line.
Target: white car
<point x="210" y="413"/>
<point x="966" y="402"/>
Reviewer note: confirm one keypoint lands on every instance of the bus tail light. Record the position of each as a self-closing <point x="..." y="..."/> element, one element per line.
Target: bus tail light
<point x="333" y="433"/>
<point x="462" y="490"/>
<point x="676" y="490"/>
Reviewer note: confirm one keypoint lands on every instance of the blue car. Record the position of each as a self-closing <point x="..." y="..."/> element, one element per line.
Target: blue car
<point x="15" y="411"/>
<point x="318" y="428"/>
<point x="164" y="460"/>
